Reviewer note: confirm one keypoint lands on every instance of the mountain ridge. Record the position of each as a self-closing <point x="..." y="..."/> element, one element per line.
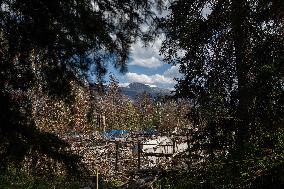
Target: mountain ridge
<point x="136" y="88"/>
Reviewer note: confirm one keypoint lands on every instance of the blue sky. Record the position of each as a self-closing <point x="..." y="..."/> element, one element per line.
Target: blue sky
<point x="146" y="66"/>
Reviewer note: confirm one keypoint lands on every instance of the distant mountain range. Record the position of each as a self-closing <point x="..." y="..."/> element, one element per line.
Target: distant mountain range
<point x="133" y="89"/>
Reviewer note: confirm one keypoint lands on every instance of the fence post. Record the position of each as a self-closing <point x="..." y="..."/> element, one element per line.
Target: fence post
<point x="187" y="140"/>
<point x="97" y="180"/>
<point x="116" y="156"/>
<point x="174" y="150"/>
<point x="174" y="146"/>
<point x="139" y="158"/>
<point x="188" y="156"/>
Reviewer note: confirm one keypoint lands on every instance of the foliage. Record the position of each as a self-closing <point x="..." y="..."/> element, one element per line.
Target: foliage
<point x="44" y="46"/>
<point x="57" y="116"/>
<point x="115" y="184"/>
<point x="14" y="178"/>
<point x="140" y="114"/>
<point x="231" y="56"/>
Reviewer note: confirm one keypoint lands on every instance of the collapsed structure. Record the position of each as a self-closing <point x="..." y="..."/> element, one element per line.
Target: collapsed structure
<point x="122" y="155"/>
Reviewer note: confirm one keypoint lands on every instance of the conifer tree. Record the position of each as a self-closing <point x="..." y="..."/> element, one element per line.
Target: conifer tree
<point x="231" y="55"/>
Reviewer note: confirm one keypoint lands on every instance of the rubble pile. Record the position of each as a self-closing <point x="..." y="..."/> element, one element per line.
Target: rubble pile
<point x="118" y="159"/>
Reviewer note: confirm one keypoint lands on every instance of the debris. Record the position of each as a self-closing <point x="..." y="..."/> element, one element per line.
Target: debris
<point x="117" y="155"/>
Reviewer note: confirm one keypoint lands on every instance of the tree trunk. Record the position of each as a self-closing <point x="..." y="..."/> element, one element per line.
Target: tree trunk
<point x="240" y="38"/>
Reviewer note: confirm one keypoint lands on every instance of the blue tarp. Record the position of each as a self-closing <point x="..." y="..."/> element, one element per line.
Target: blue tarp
<point x="116" y="134"/>
<point x="150" y="132"/>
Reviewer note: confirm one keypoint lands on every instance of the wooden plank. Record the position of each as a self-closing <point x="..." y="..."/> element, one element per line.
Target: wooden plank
<point x="158" y="154"/>
<point x="156" y="144"/>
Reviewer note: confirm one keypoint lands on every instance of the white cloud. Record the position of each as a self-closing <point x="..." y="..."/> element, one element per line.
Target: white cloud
<point x="151" y="85"/>
<point x="123" y="84"/>
<point x="141" y="78"/>
<point x="149" y="79"/>
<point x="152" y="62"/>
<point x="173" y="72"/>
<point x="147" y="57"/>
<point x="165" y="80"/>
<point x="207" y="10"/>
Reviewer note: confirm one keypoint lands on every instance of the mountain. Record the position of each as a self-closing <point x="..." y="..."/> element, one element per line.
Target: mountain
<point x="133" y="89"/>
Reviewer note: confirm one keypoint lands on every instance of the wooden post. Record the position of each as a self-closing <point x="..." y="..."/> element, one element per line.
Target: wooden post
<point x="174" y="145"/>
<point x="97" y="178"/>
<point x="116" y="156"/>
<point x="188" y="156"/>
<point x="139" y="151"/>
<point x="104" y="123"/>
<point x="174" y="150"/>
<point x="99" y="121"/>
<point x="187" y="140"/>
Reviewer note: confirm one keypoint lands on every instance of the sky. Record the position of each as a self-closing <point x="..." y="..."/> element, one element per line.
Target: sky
<point x="145" y="65"/>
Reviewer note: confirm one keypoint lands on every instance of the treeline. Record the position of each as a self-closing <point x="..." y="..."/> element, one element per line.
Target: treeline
<point x="164" y="114"/>
<point x="94" y="111"/>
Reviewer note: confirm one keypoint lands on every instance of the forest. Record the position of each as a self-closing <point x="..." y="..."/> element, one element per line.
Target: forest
<point x="224" y="120"/>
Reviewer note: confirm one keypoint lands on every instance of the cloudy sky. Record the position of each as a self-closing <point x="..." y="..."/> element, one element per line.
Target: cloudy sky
<point x="145" y="65"/>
